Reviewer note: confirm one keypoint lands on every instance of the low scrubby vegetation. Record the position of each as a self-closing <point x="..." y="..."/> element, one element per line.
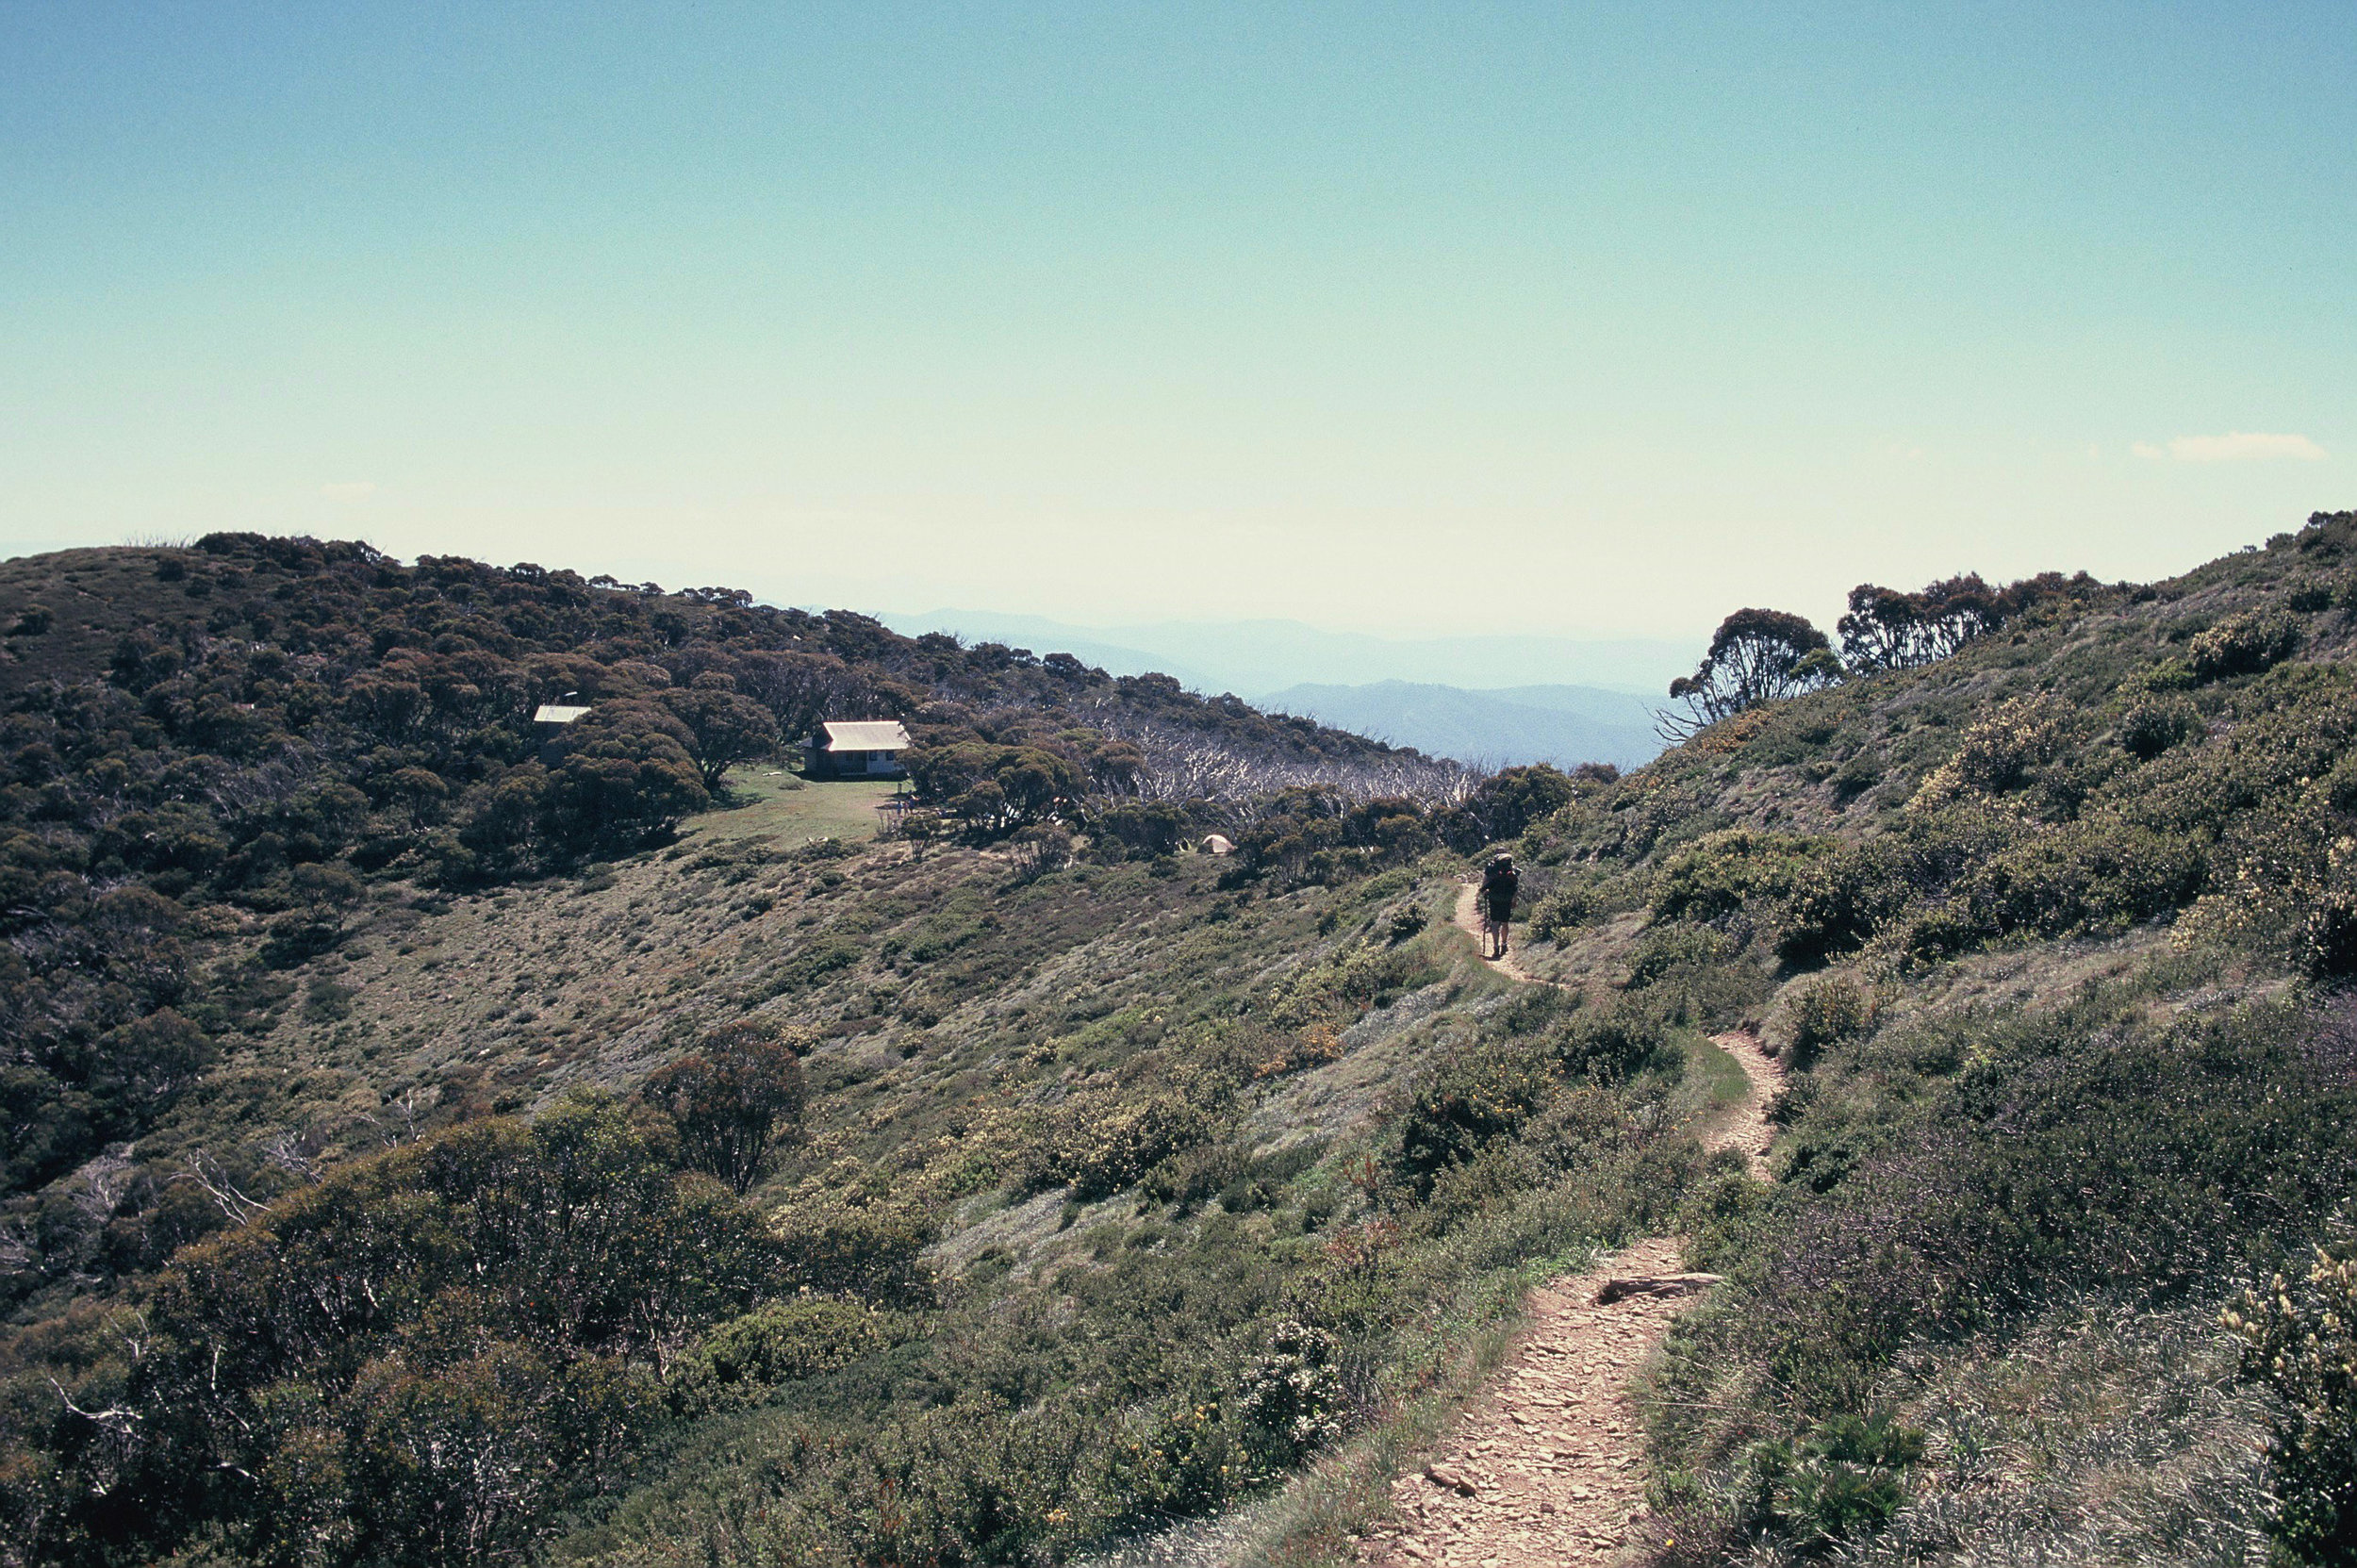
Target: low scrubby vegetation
<point x="2156" y="772"/>
<point x="260" y="731"/>
<point x="419" y="1153"/>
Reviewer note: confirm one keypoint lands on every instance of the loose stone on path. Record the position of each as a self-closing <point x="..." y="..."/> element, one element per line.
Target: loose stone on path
<point x="1546" y="1453"/>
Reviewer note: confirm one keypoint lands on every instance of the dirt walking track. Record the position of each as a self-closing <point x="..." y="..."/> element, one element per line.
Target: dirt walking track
<point x="1547" y="1467"/>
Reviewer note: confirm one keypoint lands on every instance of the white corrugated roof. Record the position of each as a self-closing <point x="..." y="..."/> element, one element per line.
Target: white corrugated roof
<point x="557" y="713"/>
<point x="877" y="735"/>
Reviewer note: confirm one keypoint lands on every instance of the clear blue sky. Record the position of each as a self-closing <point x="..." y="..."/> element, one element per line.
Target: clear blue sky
<point x="1439" y="317"/>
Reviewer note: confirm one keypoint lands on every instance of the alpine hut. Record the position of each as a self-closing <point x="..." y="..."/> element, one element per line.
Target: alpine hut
<point x="567" y="709"/>
<point x="862" y="749"/>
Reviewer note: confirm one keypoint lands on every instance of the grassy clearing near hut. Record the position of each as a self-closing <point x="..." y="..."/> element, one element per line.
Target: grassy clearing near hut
<point x="773" y="806"/>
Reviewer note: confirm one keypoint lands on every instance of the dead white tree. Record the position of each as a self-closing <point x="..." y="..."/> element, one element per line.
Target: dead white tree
<point x="1184" y="762"/>
<point x="207" y="1173"/>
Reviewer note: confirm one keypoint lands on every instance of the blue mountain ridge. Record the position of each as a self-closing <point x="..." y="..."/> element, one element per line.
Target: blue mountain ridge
<point x="1565" y="725"/>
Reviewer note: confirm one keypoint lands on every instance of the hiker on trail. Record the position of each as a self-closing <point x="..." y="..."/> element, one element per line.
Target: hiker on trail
<point x="1498" y="881"/>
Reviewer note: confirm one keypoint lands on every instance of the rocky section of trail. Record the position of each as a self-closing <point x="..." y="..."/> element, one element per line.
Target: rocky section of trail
<point x="1548" y="1465"/>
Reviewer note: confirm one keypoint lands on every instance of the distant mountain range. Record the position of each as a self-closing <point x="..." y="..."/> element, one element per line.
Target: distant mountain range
<point x="1445" y="696"/>
<point x="1248" y="657"/>
<point x="1564" y="725"/>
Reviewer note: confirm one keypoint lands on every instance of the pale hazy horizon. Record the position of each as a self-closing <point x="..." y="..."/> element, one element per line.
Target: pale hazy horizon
<point x="1412" y="321"/>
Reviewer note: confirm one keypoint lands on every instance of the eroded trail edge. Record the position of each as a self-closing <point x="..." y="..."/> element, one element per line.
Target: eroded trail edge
<point x="1547" y="1465"/>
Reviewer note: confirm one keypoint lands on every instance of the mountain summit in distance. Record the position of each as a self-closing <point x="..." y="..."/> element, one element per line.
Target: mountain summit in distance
<point x="1493" y="701"/>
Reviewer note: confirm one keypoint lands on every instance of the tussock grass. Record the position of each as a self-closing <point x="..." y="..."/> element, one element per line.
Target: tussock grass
<point x="1716" y="1074"/>
<point x="2102" y="1435"/>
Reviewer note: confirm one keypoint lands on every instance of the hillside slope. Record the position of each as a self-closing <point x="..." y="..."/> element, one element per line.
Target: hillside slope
<point x="1096" y="1185"/>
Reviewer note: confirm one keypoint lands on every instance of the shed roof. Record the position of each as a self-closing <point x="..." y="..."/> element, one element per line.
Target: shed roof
<point x="877" y="735"/>
<point x="558" y="713"/>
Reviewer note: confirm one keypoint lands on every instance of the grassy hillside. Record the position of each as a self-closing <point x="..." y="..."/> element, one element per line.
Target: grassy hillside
<point x="2057" y="927"/>
<point x="371" y="1216"/>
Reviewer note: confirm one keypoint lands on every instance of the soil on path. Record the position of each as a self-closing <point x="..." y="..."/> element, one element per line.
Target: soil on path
<point x="1746" y="1128"/>
<point x="1548" y="1465"/>
<point x="1469" y="921"/>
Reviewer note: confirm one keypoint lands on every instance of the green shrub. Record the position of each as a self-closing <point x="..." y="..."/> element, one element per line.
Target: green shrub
<point x="2327" y="936"/>
<point x="1371" y="973"/>
<point x="298" y="937"/>
<point x="1998" y="751"/>
<point x="781" y="1343"/>
<point x="2245" y="644"/>
<point x="1577" y="900"/>
<point x="822" y="957"/>
<point x="1826" y="1013"/>
<point x="1616" y="1044"/>
<point x="851" y="1240"/>
<point x="1663" y="953"/>
<point x="1466" y="1102"/>
<point x="2308" y="595"/>
<point x="1859" y="772"/>
<point x="2154" y="724"/>
<point x="1291" y="1398"/>
<point x="1194" y="1175"/>
<point x="2165" y="676"/>
<point x="1720" y="873"/>
<point x="2303" y="1346"/>
<point x="1950" y="880"/>
<point x="1840" y="1482"/>
<point x="1342" y="989"/>
<point x="1843" y="899"/>
<point x="1098" y="1144"/>
<point x="2097" y="875"/>
<point x="1694" y="975"/>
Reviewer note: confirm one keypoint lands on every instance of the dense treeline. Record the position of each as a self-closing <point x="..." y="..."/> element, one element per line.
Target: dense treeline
<point x="1886" y="629"/>
<point x="262" y="721"/>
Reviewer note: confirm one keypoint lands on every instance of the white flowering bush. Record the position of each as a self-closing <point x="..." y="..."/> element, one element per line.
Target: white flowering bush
<point x="1291" y="1398"/>
<point x="1997" y="754"/>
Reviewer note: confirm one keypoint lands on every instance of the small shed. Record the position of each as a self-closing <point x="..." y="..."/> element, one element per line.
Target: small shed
<point x="551" y="717"/>
<point x="858" y="749"/>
